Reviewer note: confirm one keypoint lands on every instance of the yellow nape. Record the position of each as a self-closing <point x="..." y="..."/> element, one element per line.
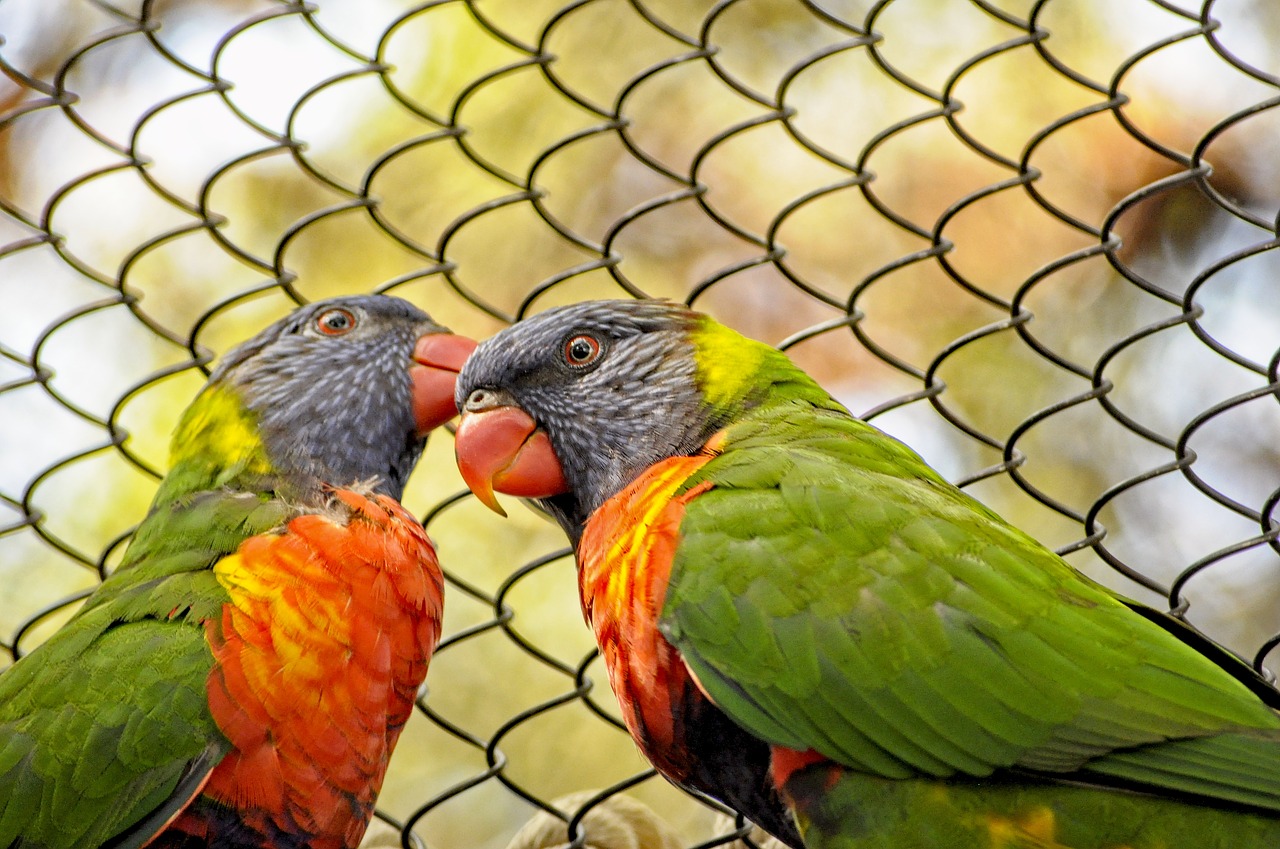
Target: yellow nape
<point x="727" y="363"/>
<point x="218" y="427"/>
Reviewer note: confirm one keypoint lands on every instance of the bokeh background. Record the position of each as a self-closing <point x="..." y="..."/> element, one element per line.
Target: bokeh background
<point x="1035" y="240"/>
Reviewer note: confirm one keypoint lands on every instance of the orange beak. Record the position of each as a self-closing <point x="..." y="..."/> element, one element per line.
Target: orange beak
<point x="503" y="449"/>
<point x="437" y="359"/>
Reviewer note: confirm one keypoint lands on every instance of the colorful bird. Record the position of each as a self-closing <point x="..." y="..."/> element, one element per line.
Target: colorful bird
<point x="243" y="676"/>
<point x="763" y="569"/>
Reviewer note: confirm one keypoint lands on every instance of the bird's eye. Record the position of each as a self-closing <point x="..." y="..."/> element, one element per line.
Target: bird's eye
<point x="335" y="322"/>
<point x="581" y="350"/>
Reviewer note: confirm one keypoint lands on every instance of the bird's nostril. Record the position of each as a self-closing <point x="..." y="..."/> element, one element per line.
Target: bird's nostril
<point x="479" y="399"/>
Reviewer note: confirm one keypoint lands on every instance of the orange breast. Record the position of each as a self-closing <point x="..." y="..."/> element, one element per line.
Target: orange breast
<point x="624" y="562"/>
<point x="318" y="658"/>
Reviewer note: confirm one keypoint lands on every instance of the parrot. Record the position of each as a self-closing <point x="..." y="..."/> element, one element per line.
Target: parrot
<point x="241" y="679"/>
<point x="801" y="618"/>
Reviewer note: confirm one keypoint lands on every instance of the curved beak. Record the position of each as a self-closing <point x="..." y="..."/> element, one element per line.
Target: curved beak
<point x="437" y="359"/>
<point x="503" y="449"/>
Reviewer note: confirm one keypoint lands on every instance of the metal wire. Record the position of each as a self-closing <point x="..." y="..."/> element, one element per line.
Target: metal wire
<point x="1124" y="351"/>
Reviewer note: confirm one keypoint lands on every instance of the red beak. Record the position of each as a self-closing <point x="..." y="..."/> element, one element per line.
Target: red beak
<point x="503" y="449"/>
<point x="438" y="357"/>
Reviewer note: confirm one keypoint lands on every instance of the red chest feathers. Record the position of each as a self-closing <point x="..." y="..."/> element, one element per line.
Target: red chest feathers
<point x="318" y="658"/>
<point x="624" y="562"/>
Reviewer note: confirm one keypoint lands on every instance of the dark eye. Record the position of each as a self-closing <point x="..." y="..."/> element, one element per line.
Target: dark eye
<point x="581" y="350"/>
<point x="335" y="322"/>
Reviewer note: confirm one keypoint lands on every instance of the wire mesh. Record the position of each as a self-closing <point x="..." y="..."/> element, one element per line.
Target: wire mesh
<point x="1037" y="240"/>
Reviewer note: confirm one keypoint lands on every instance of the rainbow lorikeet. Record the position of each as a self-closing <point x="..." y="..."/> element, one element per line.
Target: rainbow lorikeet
<point x="242" y="677"/>
<point x="763" y="569"/>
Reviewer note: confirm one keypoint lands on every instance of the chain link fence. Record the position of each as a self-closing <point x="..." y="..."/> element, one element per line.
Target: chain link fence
<point x="1036" y="240"/>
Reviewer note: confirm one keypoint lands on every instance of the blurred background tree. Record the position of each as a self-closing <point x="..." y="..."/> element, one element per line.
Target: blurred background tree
<point x="1036" y="240"/>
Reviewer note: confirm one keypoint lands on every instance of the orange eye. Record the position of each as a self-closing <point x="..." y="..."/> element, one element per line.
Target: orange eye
<point x="581" y="350"/>
<point x="335" y="322"/>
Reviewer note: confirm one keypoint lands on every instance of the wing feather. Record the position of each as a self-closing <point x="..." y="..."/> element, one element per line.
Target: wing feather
<point x="105" y="727"/>
<point x="831" y="592"/>
<point x="93" y="761"/>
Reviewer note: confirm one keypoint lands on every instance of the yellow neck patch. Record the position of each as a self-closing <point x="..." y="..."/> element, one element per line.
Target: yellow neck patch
<point x="218" y="431"/>
<point x="728" y="363"/>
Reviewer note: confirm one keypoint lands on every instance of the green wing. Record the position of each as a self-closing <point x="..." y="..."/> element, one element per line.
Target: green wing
<point x="105" y="728"/>
<point x="832" y="592"/>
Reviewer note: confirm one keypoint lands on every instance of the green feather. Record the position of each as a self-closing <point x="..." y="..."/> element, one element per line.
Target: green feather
<point x="85" y="772"/>
<point x="832" y="592"/>
<point x="101" y="723"/>
<point x="734" y="373"/>
<point x="859" y="811"/>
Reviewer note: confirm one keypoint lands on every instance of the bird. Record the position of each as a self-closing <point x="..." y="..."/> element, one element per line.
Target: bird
<point x="796" y="611"/>
<point x="241" y="679"/>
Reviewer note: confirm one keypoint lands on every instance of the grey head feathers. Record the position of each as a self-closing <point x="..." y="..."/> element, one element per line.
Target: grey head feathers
<point x="636" y="403"/>
<point x="335" y="408"/>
